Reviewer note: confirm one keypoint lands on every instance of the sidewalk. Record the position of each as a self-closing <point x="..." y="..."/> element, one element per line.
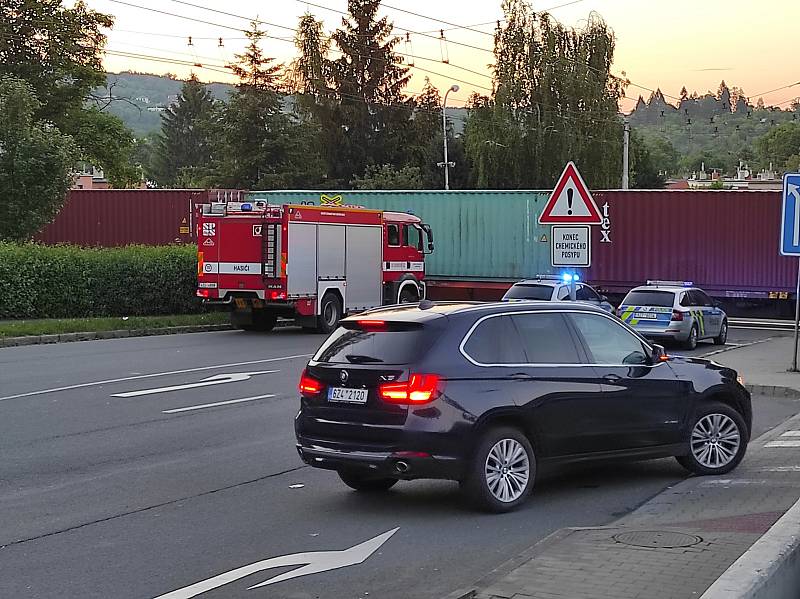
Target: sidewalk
<point x="680" y="542"/>
<point x="764" y="365"/>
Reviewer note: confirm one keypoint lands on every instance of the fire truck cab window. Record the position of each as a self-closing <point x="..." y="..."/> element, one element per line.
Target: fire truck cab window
<point x="393" y="234"/>
<point x="412" y="237"/>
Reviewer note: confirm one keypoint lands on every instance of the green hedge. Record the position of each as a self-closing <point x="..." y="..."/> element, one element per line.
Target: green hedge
<point x="38" y="281"/>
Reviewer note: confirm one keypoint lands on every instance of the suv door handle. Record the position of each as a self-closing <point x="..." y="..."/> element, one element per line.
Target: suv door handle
<point x="612" y="378"/>
<point x="522" y="376"/>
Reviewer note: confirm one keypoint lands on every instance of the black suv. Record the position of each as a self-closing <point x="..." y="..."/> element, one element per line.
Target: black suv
<point x="484" y="393"/>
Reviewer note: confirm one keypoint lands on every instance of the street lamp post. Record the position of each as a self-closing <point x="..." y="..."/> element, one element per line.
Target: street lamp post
<point x="446" y="164"/>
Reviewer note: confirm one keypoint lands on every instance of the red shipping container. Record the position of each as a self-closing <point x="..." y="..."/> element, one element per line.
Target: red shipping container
<point x="723" y="241"/>
<point x="118" y="217"/>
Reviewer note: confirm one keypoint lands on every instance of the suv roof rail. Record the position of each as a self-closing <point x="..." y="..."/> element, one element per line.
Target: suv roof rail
<point x="670" y="284"/>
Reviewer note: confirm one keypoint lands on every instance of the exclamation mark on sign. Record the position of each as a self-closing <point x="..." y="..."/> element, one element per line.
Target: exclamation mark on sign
<point x="570" y="191"/>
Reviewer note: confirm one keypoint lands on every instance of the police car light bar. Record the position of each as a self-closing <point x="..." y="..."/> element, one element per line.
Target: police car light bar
<point x="670" y="283"/>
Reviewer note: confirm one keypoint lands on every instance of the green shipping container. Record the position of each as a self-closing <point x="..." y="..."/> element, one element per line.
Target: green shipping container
<point x="478" y="234"/>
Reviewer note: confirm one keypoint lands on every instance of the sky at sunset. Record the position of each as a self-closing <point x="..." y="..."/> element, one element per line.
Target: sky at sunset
<point x="659" y="44"/>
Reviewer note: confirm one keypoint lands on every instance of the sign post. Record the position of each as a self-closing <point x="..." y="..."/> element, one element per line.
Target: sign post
<point x="790" y="243"/>
<point x="571" y="211"/>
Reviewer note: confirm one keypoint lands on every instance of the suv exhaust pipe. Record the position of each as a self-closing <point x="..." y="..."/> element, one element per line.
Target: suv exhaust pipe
<point x="402" y="467"/>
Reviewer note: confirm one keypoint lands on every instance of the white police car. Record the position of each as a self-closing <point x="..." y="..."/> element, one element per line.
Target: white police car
<point x="674" y="311"/>
<point x="551" y="288"/>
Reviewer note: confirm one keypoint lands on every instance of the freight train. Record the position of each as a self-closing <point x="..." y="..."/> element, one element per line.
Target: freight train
<point x="723" y="241"/>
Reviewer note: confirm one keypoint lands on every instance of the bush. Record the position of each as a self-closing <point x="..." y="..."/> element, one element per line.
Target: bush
<point x="38" y="281"/>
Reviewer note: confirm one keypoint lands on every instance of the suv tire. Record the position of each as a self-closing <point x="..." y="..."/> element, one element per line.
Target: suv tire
<point x="717" y="440"/>
<point x="502" y="471"/>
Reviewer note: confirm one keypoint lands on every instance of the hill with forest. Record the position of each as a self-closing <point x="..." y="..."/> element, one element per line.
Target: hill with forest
<point x="140" y="98"/>
<point x="716" y="128"/>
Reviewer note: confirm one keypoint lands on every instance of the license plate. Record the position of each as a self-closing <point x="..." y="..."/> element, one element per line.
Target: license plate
<point x="645" y="315"/>
<point x="346" y="395"/>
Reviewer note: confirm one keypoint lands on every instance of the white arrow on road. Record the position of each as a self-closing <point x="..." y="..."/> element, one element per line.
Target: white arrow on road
<point x="793" y="192"/>
<point x="219" y="379"/>
<point x="312" y="562"/>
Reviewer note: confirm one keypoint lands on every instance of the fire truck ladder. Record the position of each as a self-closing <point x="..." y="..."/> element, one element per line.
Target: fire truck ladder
<point x="270" y="250"/>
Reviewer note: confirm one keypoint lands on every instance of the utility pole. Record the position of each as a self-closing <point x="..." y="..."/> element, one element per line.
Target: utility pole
<point x="446" y="164"/>
<point x="626" y="140"/>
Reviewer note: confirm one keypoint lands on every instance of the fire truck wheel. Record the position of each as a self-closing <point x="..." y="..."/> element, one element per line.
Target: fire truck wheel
<point x="409" y="295"/>
<point x="264" y="320"/>
<point x="330" y="313"/>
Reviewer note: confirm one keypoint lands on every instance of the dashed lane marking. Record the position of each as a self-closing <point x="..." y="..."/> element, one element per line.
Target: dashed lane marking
<point x="217" y="403"/>
<point x="783" y="444"/>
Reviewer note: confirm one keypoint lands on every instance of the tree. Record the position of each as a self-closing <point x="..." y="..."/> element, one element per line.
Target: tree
<point x="104" y="141"/>
<point x="724" y="96"/>
<point x="778" y="145"/>
<point x="35" y="163"/>
<point x="644" y="171"/>
<point x="258" y="145"/>
<point x="389" y="177"/>
<point x="368" y="80"/>
<point x="58" y="51"/>
<point x="184" y="144"/>
<point x="555" y="100"/>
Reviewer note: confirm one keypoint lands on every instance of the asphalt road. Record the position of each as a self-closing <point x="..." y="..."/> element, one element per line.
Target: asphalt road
<point x="107" y="491"/>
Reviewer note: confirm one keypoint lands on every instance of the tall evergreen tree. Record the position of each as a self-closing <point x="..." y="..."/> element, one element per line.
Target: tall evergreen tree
<point x="368" y="80"/>
<point x="258" y="145"/>
<point x="184" y="146"/>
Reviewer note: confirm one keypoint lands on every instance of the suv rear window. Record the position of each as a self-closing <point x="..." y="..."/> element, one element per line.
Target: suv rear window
<point x="665" y="299"/>
<point x="531" y="292"/>
<point x="395" y="344"/>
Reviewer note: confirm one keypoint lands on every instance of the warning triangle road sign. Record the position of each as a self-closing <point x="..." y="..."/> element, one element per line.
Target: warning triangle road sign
<point x="570" y="202"/>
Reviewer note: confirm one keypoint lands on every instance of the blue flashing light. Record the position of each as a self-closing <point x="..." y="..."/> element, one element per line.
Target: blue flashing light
<point x="569" y="277"/>
<point x="247" y="207"/>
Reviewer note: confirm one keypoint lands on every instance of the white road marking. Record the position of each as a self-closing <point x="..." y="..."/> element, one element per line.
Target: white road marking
<point x="791" y="434"/>
<point x="155" y="374"/>
<point x="217" y="379"/>
<point x="783" y="444"/>
<point x="312" y="562"/>
<point x="781" y="469"/>
<point x="215" y="404"/>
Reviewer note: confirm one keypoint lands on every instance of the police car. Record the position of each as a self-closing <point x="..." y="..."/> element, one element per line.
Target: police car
<point x="674" y="311"/>
<point x="552" y="288"/>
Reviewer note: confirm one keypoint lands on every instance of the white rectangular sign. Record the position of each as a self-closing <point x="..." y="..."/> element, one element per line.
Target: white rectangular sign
<point x="571" y="246"/>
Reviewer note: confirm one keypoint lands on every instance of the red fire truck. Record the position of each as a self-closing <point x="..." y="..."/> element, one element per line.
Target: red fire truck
<point x="310" y="263"/>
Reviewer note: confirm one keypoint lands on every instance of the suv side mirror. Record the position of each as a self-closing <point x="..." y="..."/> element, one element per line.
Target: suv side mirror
<point x="603" y="298"/>
<point x="659" y="354"/>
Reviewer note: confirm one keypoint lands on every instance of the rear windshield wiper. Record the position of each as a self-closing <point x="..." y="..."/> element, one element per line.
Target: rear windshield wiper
<point x="359" y="359"/>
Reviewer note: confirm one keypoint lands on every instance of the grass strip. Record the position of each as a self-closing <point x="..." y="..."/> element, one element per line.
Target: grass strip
<point x="57" y="326"/>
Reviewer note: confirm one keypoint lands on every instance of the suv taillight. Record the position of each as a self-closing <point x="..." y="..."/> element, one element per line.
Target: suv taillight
<point x="309" y="386"/>
<point x="418" y="389"/>
<point x="677" y="316"/>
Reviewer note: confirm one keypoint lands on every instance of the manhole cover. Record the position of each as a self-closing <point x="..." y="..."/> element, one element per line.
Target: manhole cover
<point x="661" y="539"/>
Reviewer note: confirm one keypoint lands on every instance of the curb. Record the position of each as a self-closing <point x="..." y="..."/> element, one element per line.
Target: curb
<point x="119" y="334"/>
<point x="769" y="569"/>
<point x="773" y="391"/>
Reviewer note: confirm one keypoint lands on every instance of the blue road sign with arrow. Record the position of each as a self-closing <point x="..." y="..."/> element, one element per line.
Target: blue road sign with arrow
<point x="790" y="215"/>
